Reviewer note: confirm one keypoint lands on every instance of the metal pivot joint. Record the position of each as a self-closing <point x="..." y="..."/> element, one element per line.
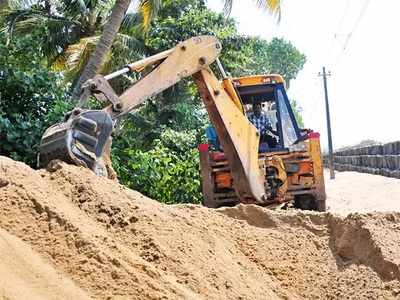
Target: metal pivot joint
<point x="103" y="92"/>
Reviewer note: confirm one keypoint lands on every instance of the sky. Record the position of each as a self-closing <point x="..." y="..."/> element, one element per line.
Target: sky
<point x="359" y="42"/>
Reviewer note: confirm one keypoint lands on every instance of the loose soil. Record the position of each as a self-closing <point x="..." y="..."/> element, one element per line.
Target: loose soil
<point x="67" y="234"/>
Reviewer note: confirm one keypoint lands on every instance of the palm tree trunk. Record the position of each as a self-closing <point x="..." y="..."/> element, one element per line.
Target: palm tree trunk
<point x="104" y="45"/>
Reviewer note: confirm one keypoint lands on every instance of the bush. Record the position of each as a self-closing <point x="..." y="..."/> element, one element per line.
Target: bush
<point x="169" y="172"/>
<point x="31" y="99"/>
<point x="20" y="134"/>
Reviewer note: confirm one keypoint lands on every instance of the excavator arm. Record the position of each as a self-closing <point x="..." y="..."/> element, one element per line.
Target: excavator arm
<point x="238" y="137"/>
<point x="84" y="136"/>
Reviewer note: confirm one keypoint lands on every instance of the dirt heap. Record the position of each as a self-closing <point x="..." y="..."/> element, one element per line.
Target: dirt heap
<point x="67" y="234"/>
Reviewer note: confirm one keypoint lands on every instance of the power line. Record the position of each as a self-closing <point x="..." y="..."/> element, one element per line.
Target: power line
<point x="346" y="9"/>
<point x="338" y="29"/>
<point x="350" y="35"/>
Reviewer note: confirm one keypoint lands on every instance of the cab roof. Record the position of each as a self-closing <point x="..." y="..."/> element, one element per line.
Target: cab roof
<point x="259" y="88"/>
<point x="258" y="80"/>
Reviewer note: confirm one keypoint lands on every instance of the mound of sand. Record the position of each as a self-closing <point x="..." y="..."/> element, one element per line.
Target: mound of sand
<point x="67" y="234"/>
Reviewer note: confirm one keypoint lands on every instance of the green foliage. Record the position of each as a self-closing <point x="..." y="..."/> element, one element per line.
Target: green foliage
<point x="26" y="85"/>
<point x="168" y="172"/>
<point x="277" y="56"/>
<point x="180" y="20"/>
<point x="284" y="58"/>
<point x="194" y="19"/>
<point x="18" y="136"/>
<point x="31" y="99"/>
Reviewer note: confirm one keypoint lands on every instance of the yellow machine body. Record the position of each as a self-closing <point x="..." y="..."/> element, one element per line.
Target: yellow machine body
<point x="288" y="174"/>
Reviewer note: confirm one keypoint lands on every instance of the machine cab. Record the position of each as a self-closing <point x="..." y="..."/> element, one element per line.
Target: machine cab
<point x="267" y="93"/>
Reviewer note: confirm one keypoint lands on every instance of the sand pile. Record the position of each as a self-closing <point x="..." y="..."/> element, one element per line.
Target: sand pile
<point x="67" y="234"/>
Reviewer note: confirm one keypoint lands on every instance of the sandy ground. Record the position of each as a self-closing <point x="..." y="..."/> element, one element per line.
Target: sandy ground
<point x="357" y="192"/>
<point x="67" y="234"/>
<point x="24" y="274"/>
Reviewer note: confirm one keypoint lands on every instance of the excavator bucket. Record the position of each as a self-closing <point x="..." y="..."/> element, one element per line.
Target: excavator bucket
<point x="79" y="140"/>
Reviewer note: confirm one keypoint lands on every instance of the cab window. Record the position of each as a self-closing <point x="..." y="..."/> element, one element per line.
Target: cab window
<point x="288" y="128"/>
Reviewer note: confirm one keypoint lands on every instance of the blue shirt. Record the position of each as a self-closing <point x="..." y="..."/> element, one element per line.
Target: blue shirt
<point x="212" y="137"/>
<point x="261" y="122"/>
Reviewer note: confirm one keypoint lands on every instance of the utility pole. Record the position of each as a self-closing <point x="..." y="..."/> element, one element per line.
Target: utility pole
<point x="324" y="74"/>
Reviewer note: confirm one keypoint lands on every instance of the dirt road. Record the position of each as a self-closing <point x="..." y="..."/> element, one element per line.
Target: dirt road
<point x="358" y="192"/>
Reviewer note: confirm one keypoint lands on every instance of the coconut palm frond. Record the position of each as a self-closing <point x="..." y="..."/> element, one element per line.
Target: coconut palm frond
<point x="60" y="63"/>
<point x="103" y="5"/>
<point x="130" y="43"/>
<point x="73" y="9"/>
<point x="59" y="31"/>
<point x="20" y="4"/>
<point x="130" y="22"/>
<point x="78" y="54"/>
<point x="23" y="20"/>
<point x="74" y="58"/>
<point x="148" y="9"/>
<point x="59" y="35"/>
<point x="108" y="65"/>
<point x="272" y="6"/>
<point x="25" y="25"/>
<point x="9" y="19"/>
<point x="126" y="49"/>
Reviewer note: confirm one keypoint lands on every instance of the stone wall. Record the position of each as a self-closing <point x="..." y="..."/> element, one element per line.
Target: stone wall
<point x="378" y="159"/>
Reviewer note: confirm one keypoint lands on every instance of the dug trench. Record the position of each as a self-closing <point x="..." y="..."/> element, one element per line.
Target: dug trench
<point x="68" y="234"/>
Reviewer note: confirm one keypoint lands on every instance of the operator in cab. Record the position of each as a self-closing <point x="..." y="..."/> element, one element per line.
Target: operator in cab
<point x="263" y="125"/>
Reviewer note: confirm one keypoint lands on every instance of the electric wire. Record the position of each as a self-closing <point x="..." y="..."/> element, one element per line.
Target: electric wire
<point x="350" y="35"/>
<point x="346" y="10"/>
<point x="334" y="38"/>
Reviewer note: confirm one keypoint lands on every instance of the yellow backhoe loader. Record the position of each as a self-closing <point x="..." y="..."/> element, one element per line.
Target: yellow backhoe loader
<point x="280" y="166"/>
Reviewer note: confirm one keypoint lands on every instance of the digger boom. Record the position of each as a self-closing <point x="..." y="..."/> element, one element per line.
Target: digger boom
<point x="83" y="137"/>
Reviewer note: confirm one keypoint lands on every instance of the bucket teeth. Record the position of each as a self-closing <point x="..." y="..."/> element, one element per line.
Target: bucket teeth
<point x="80" y="140"/>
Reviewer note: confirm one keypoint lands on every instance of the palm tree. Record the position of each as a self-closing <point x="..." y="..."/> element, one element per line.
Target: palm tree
<point x="107" y="37"/>
<point x="64" y="22"/>
<point x="147" y="9"/>
<point x="73" y="31"/>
